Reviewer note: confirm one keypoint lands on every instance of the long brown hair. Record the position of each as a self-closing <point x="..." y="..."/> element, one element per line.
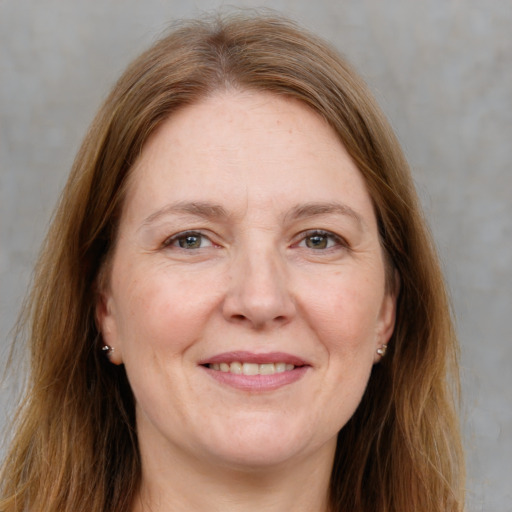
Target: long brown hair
<point x="75" y="442"/>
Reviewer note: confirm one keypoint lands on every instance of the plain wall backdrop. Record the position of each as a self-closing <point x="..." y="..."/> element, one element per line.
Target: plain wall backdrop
<point x="442" y="71"/>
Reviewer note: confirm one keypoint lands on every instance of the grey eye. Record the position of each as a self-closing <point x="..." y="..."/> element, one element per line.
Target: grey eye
<point x="318" y="241"/>
<point x="190" y="241"/>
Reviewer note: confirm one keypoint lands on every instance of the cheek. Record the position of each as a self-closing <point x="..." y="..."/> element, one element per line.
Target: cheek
<point x="344" y="314"/>
<point x="344" y="319"/>
<point x="156" y="310"/>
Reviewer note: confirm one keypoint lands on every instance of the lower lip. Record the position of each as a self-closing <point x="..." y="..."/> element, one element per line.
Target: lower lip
<point x="257" y="383"/>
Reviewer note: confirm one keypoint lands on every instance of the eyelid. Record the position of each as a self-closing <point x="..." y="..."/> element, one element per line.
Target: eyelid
<point x="339" y="240"/>
<point x="170" y="240"/>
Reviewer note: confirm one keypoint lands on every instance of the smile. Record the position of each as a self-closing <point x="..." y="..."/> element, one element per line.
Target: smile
<point x="248" y="371"/>
<point x="239" y="368"/>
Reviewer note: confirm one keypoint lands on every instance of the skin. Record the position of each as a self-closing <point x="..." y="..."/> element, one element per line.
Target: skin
<point x="258" y="276"/>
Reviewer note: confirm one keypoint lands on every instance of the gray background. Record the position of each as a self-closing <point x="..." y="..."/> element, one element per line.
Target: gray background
<point x="441" y="69"/>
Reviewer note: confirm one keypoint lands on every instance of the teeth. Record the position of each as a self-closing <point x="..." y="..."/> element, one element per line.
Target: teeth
<point x="267" y="369"/>
<point x="280" y="367"/>
<point x="252" y="368"/>
<point x="235" y="368"/>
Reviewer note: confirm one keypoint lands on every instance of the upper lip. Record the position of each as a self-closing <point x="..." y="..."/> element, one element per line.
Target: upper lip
<point x="252" y="357"/>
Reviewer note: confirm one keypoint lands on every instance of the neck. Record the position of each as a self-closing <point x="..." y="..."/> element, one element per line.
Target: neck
<point x="184" y="485"/>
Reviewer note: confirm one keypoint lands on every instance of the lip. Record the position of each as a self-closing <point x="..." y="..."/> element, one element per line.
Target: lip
<point x="256" y="383"/>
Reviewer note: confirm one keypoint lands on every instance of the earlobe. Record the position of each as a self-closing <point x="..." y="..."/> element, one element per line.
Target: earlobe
<point x="107" y="327"/>
<point x="386" y="324"/>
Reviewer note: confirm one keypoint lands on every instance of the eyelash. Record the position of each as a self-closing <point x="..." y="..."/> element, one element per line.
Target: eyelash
<point x="335" y="240"/>
<point x="175" y="239"/>
<point x="332" y="240"/>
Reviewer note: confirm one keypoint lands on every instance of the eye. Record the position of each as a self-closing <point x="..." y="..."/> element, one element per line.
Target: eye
<point x="319" y="240"/>
<point x="188" y="240"/>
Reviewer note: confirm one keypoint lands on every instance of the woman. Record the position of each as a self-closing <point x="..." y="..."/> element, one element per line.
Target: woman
<point x="238" y="305"/>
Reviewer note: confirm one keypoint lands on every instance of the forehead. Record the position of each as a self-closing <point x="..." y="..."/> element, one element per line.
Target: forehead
<point x="245" y="147"/>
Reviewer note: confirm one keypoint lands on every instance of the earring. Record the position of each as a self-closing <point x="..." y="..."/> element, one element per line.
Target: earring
<point x="382" y="350"/>
<point x="107" y="350"/>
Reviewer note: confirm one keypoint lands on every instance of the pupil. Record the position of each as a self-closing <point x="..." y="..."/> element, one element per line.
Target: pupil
<point x="190" y="242"/>
<point x="317" y="242"/>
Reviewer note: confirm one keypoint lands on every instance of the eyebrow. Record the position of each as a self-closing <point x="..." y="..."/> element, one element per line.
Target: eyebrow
<point x="199" y="209"/>
<point x="316" y="209"/>
<point x="208" y="210"/>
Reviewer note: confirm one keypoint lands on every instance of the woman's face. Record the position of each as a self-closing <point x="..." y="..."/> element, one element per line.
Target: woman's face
<point x="247" y="290"/>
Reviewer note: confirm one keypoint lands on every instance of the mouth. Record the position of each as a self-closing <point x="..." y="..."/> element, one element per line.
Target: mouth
<point x="255" y="372"/>
<point x="239" y="368"/>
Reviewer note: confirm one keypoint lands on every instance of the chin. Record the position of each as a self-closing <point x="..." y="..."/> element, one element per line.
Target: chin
<point x="261" y="445"/>
<point x="254" y="459"/>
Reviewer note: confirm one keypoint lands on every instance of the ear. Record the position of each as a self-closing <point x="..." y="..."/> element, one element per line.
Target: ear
<point x="107" y="325"/>
<point x="387" y="318"/>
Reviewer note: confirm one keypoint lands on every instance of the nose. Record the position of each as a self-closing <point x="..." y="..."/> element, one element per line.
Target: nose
<point x="259" y="294"/>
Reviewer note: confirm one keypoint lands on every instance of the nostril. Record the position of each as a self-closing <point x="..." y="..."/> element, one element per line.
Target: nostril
<point x="257" y="307"/>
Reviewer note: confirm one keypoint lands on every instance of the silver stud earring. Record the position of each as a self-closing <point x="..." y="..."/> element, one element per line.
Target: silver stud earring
<point x="382" y="350"/>
<point x="107" y="349"/>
